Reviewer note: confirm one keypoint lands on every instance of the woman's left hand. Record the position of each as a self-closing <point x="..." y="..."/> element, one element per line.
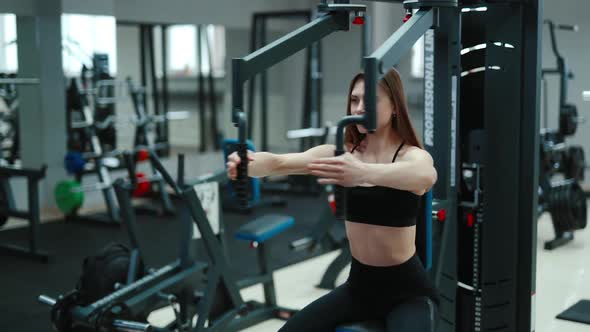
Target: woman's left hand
<point x="344" y="170"/>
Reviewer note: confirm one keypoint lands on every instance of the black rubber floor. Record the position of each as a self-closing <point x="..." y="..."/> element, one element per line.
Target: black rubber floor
<point x="21" y="281"/>
<point x="579" y="312"/>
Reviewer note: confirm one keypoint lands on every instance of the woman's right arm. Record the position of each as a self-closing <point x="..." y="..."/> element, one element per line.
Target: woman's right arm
<point x="263" y="164"/>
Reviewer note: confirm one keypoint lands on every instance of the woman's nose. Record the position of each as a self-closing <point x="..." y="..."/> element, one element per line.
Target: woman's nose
<point x="360" y="108"/>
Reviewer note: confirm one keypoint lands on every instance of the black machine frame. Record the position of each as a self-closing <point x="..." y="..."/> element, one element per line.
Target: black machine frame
<point x="503" y="299"/>
<point x="32" y="214"/>
<point x="312" y="102"/>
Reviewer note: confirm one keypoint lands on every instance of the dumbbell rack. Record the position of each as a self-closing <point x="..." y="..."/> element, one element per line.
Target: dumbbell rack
<point x="104" y="184"/>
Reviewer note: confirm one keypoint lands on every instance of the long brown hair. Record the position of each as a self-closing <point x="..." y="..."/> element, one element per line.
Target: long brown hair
<point x="392" y="83"/>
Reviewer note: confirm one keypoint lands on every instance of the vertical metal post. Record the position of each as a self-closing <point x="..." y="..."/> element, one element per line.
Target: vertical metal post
<point x="212" y="97"/>
<point x="270" y="298"/>
<point x="441" y="132"/>
<point x="254" y="38"/>
<point x="528" y="195"/>
<point x="35" y="217"/>
<point x="165" y="126"/>
<point x="201" y="89"/>
<point x="264" y="93"/>
<point x="306" y="111"/>
<point x="153" y="75"/>
<point x="142" y="60"/>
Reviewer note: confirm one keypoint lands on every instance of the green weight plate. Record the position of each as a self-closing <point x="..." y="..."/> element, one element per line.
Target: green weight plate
<point x="67" y="198"/>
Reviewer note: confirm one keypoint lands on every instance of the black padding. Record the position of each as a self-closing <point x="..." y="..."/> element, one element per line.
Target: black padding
<point x="579" y="312"/>
<point x="264" y="227"/>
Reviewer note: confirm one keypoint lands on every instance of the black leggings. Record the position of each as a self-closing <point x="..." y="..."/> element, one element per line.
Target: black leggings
<point x="400" y="296"/>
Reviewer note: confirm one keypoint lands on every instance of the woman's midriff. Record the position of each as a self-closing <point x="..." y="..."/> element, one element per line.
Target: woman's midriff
<point x="381" y="245"/>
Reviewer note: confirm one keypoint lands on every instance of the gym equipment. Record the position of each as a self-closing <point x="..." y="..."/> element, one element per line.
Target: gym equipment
<point x="74" y="162"/>
<point x="8" y="209"/>
<point x="557" y="158"/>
<point x="568" y="113"/>
<point x="211" y="98"/>
<point x="335" y="17"/>
<point x="10" y="136"/>
<point x="68" y="196"/>
<point x="489" y="262"/>
<point x="568" y="119"/>
<point x="566" y="202"/>
<point x="575" y="163"/>
<point x="126" y="308"/>
<point x="553" y="153"/>
<point x="331" y="18"/>
<point x="143" y="187"/>
<point x="580" y="311"/>
<point x="9" y="128"/>
<point x="221" y="303"/>
<point x="77" y="162"/>
<point x="157" y="86"/>
<point x="312" y="97"/>
<point x="145" y="136"/>
<point x="386" y="56"/>
<point x="86" y="154"/>
<point x="312" y="105"/>
<point x="142" y="155"/>
<point x="232" y="313"/>
<point x="501" y="89"/>
<point x="253" y="190"/>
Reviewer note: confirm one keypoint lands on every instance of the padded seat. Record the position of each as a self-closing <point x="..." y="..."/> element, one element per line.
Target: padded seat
<point x="264" y="228"/>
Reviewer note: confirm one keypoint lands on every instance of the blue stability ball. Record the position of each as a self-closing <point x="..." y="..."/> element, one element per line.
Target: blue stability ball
<point x="74" y="162"/>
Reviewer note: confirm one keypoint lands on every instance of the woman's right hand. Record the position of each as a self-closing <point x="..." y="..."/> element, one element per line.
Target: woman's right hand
<point x="232" y="164"/>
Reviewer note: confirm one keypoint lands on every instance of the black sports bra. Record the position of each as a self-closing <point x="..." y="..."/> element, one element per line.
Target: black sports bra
<point x="385" y="206"/>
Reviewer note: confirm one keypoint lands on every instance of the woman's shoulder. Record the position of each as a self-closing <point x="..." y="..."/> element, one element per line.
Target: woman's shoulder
<point x="412" y="152"/>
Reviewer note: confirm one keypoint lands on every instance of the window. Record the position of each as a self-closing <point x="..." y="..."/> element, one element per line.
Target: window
<point x="8" y="55"/>
<point x="418" y="59"/>
<point x="182" y="50"/>
<point x="86" y="35"/>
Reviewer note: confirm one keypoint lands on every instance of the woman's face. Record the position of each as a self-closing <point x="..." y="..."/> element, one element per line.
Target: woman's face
<point x="384" y="106"/>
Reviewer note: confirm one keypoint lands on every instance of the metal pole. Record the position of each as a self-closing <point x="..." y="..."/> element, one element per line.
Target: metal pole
<point x="201" y="91"/>
<point x="212" y="95"/>
<point x="164" y="126"/>
<point x="254" y="38"/>
<point x="264" y="93"/>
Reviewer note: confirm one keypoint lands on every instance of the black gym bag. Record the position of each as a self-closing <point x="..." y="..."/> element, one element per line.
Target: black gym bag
<point x="102" y="271"/>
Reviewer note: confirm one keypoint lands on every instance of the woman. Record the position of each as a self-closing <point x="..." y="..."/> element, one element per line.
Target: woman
<point x="386" y="172"/>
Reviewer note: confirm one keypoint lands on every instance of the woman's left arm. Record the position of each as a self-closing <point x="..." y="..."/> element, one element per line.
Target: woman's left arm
<point x="415" y="173"/>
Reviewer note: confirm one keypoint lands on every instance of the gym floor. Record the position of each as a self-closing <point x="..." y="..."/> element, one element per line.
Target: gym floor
<point x="563" y="275"/>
